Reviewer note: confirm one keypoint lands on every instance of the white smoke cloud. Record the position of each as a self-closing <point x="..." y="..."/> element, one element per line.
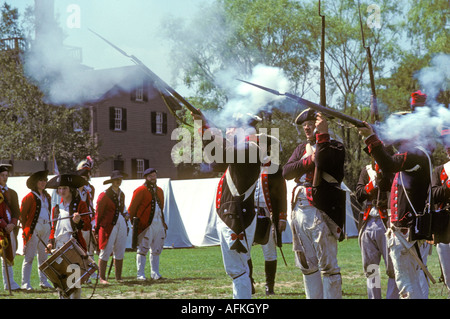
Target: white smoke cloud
<point x="245" y="98"/>
<point x="422" y="127"/>
<point x="435" y="78"/>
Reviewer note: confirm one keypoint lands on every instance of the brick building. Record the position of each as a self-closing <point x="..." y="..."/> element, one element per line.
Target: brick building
<point x="132" y="125"/>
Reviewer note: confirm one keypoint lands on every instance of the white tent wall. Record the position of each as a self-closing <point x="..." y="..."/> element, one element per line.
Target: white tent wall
<point x="189" y="209"/>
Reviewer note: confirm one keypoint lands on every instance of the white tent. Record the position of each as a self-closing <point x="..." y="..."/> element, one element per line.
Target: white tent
<point x="189" y="209"/>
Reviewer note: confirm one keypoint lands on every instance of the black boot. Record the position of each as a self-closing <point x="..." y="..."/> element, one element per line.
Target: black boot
<point x="250" y="267"/>
<point x="271" y="269"/>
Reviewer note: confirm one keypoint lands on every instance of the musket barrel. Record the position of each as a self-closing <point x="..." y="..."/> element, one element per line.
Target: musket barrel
<point x="326" y="110"/>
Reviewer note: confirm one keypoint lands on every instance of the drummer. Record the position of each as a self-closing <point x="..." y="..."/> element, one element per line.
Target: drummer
<point x="63" y="227"/>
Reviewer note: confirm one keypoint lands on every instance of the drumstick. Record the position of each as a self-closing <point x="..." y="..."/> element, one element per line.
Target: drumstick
<point x="45" y="245"/>
<point x="61" y="218"/>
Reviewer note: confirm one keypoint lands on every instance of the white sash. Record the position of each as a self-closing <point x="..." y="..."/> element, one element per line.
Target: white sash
<point x="233" y="188"/>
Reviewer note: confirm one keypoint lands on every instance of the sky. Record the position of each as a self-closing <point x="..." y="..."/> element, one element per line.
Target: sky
<point x="132" y="25"/>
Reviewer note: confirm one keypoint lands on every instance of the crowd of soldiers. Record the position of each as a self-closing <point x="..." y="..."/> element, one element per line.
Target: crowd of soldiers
<point x="405" y="203"/>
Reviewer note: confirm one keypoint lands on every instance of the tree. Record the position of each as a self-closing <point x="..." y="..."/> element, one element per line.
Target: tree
<point x="230" y="38"/>
<point x="32" y="129"/>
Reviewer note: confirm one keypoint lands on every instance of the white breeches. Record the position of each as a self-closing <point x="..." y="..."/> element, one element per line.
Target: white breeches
<point x="236" y="264"/>
<point x="117" y="242"/>
<point x="443" y="251"/>
<point x="35" y="246"/>
<point x="373" y="244"/>
<point x="9" y="268"/>
<point x="315" y="248"/>
<point x="409" y="276"/>
<point x="152" y="238"/>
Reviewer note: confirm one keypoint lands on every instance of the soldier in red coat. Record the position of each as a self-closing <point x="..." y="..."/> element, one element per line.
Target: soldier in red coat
<point x="147" y="212"/>
<point x="10" y="214"/>
<point x="35" y="219"/>
<point x="111" y="220"/>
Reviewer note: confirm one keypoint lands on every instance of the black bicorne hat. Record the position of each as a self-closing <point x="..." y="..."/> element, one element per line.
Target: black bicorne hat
<point x="306" y="115"/>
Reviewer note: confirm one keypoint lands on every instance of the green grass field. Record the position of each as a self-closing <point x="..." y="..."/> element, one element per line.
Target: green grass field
<point x="198" y="273"/>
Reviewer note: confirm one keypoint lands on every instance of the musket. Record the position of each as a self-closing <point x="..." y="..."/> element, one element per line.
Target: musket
<point x="320" y="108"/>
<point x="323" y="100"/>
<point x="160" y="84"/>
<point x="374" y="104"/>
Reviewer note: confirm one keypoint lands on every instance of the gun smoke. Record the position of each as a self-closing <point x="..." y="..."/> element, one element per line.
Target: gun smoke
<point x="423" y="126"/>
<point x="67" y="82"/>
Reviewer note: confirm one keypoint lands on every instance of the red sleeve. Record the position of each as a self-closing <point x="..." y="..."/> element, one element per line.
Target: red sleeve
<point x="52" y="231"/>
<point x="135" y="202"/>
<point x="83" y="209"/>
<point x="25" y="209"/>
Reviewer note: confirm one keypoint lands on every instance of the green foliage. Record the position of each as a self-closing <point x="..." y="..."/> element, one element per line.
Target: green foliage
<point x="31" y="128"/>
<point x="287" y="34"/>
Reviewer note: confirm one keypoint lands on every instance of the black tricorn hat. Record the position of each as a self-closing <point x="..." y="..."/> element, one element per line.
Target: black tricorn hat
<point x="115" y="175"/>
<point x="5" y="167"/>
<point x="82" y="172"/>
<point x="35" y="177"/>
<point x="306" y="115"/>
<point x="70" y="180"/>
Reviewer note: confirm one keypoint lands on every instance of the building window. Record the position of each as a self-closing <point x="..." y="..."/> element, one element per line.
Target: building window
<point x="117" y="119"/>
<point x="138" y="167"/>
<point x="159" y="123"/>
<point x="140" y="94"/>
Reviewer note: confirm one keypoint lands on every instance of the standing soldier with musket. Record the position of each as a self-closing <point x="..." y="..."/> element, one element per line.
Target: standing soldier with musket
<point x="373" y="188"/>
<point x="149" y="228"/>
<point x="441" y="196"/>
<point x="271" y="201"/>
<point x="318" y="214"/>
<point x="410" y="191"/>
<point x="10" y="215"/>
<point x="235" y="198"/>
<point x="111" y="220"/>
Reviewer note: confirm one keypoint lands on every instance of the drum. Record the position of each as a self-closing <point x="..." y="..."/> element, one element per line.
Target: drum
<point x="69" y="267"/>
